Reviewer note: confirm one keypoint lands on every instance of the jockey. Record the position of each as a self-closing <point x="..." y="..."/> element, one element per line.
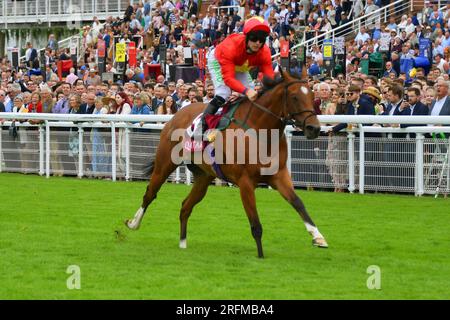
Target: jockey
<point x="229" y="64"/>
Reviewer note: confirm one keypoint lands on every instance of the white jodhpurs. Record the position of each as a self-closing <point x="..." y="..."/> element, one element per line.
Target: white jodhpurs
<point x="221" y="89"/>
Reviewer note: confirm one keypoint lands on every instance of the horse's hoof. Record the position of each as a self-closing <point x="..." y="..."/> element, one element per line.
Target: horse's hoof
<point x="320" y="242"/>
<point x="130" y="225"/>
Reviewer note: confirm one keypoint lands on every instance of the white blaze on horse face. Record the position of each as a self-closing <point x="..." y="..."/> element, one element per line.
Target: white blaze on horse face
<point x="136" y="222"/>
<point x="304" y="90"/>
<point x="183" y="244"/>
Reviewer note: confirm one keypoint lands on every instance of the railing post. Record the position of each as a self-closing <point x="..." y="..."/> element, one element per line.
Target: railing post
<point x="289" y="150"/>
<point x="361" y="158"/>
<point x="418" y="172"/>
<point x="113" y="151"/>
<point x="41" y="150"/>
<point x="127" y="154"/>
<point x="177" y="175"/>
<point x="26" y="7"/>
<point x="80" y="151"/>
<point x="47" y="149"/>
<point x="1" y="158"/>
<point x="188" y="177"/>
<point x="5" y="13"/>
<point x="47" y="12"/>
<point x="351" y="162"/>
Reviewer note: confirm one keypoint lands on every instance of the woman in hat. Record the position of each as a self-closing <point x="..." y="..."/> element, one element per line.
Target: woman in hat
<point x="373" y="94"/>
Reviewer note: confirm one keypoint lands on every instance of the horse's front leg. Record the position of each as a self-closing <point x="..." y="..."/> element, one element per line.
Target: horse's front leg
<point x="283" y="183"/>
<point x="247" y="190"/>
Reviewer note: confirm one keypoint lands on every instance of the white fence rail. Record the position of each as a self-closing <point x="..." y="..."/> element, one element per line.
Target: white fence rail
<point x="49" y="11"/>
<point x="365" y="158"/>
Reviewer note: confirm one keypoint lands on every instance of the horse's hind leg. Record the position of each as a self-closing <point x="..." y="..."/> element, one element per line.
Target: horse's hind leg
<point x="283" y="183"/>
<point x="198" y="191"/>
<point x="161" y="172"/>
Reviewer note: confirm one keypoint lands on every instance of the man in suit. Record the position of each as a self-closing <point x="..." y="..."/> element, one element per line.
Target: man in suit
<point x="411" y="106"/>
<point x="441" y="106"/>
<point x="160" y="94"/>
<point x="89" y="106"/>
<point x="2" y="100"/>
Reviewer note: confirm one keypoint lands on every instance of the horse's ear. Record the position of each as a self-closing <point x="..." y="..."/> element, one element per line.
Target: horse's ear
<point x="304" y="75"/>
<point x="284" y="74"/>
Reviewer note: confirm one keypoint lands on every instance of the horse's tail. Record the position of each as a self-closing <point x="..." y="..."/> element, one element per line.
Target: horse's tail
<point x="149" y="167"/>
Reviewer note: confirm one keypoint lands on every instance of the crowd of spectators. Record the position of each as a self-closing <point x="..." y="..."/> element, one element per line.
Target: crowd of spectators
<point x="405" y="80"/>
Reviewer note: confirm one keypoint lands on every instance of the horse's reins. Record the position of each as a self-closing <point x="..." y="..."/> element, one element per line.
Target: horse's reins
<point x="288" y="120"/>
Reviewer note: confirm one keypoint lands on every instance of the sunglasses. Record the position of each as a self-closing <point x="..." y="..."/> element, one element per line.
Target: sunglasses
<point x="257" y="37"/>
<point x="349" y="93"/>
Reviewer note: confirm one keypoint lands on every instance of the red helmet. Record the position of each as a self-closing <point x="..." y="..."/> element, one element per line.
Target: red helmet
<point x="256" y="24"/>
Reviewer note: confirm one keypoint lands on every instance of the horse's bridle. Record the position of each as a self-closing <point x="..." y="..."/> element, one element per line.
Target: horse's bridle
<point x="289" y="120"/>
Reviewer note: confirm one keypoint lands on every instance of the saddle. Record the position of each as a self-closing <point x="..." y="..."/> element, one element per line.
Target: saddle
<point x="216" y="122"/>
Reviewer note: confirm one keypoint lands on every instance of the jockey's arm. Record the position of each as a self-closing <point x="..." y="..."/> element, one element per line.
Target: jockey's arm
<point x="266" y="67"/>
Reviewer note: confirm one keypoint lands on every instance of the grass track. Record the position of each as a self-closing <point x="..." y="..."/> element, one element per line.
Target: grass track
<point x="49" y="224"/>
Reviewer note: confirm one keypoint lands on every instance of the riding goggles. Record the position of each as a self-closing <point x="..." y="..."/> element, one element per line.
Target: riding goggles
<point x="260" y="36"/>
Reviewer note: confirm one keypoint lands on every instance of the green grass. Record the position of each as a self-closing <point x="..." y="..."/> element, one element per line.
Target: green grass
<point x="49" y="224"/>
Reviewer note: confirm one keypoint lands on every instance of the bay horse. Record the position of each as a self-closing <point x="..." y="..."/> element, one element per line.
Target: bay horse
<point x="286" y="100"/>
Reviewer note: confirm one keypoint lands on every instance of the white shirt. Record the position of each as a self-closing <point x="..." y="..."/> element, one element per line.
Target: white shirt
<point x="394" y="106"/>
<point x="362" y="36"/>
<point x="205" y="23"/>
<point x="438" y="106"/>
<point x="185" y="103"/>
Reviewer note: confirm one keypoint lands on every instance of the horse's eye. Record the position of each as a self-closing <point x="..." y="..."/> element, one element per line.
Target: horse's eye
<point x="295" y="98"/>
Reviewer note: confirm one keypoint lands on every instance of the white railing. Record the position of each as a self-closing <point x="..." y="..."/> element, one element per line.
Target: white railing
<point x="65" y="43"/>
<point x="51" y="11"/>
<point x="381" y="15"/>
<point x="412" y="164"/>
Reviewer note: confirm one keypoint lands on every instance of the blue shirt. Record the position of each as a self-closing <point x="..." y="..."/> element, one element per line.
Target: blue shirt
<point x="62" y="106"/>
<point x="145" y="109"/>
<point x="9" y="106"/>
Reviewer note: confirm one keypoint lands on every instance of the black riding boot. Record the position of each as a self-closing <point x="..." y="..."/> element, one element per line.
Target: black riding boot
<point x="211" y="109"/>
